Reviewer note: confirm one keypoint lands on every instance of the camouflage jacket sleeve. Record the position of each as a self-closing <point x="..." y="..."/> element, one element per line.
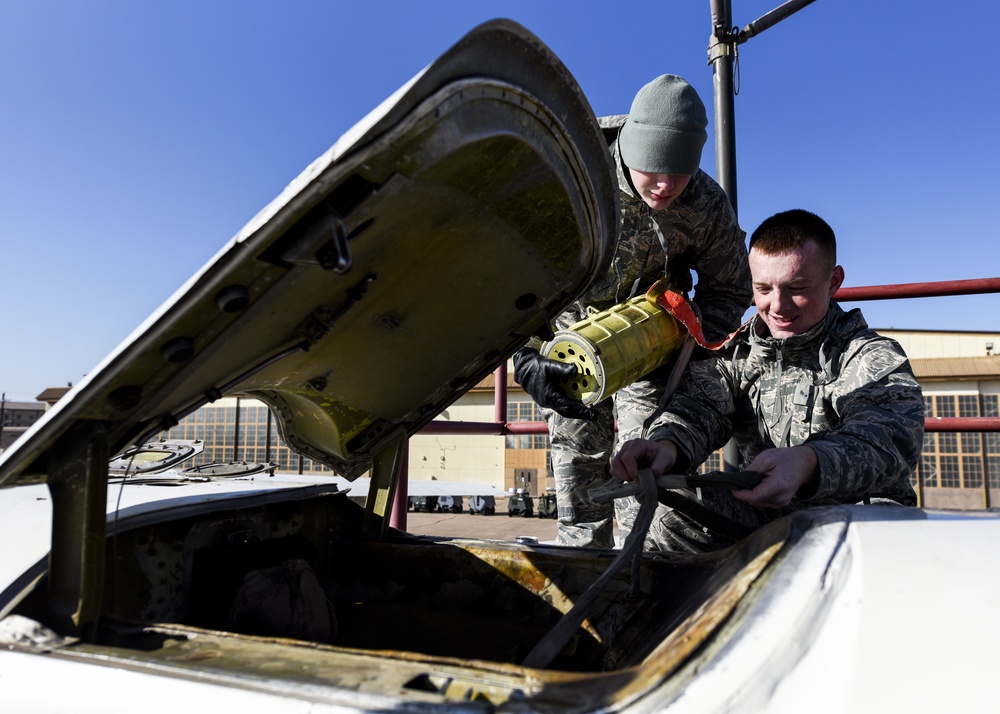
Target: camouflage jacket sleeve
<point x="878" y="440"/>
<point x="699" y="416"/>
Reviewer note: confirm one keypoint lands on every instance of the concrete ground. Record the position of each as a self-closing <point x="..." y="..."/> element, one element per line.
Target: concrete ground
<point x="499" y="526"/>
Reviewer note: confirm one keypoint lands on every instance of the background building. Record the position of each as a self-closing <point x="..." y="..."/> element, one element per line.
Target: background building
<point x="960" y="376"/>
<point x="15" y="418"/>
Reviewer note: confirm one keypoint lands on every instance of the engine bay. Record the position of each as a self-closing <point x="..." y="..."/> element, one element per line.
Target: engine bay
<point x="291" y="586"/>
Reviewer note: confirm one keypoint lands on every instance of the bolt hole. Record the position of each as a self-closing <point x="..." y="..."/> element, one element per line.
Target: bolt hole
<point x="526" y="301"/>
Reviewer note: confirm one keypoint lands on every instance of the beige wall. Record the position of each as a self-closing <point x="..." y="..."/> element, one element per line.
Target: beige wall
<point x="955" y="386"/>
<point x="468" y="458"/>
<point x="477" y="458"/>
<point x="959" y="498"/>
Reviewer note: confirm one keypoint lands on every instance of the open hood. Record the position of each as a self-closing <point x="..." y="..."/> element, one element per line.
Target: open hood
<point x="401" y="267"/>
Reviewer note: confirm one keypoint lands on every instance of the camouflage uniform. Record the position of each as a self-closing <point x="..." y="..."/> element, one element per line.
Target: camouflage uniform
<point x="841" y="388"/>
<point x="697" y="232"/>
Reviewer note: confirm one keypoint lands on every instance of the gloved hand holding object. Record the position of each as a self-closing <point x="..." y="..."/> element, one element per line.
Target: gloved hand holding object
<point x="542" y="378"/>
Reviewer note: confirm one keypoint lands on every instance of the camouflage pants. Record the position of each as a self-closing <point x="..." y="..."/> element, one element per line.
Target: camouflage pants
<point x="581" y="460"/>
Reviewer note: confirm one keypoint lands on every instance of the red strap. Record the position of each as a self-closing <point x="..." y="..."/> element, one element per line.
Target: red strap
<point x="678" y="306"/>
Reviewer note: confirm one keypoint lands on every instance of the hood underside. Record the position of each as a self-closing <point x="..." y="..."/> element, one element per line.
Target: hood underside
<point x="395" y="272"/>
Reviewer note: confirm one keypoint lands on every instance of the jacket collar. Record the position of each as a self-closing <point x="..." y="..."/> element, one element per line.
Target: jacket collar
<point x="835" y="322"/>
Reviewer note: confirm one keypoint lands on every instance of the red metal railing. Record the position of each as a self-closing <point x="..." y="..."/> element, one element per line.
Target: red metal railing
<point x="976" y="286"/>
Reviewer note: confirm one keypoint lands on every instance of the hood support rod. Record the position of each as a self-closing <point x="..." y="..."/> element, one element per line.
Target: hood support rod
<point x="387" y="464"/>
<point x="78" y="482"/>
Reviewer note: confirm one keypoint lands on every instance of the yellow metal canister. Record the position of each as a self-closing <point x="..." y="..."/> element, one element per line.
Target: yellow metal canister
<point x="616" y="347"/>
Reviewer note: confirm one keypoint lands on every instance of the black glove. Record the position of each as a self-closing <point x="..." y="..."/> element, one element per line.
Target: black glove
<point x="540" y="377"/>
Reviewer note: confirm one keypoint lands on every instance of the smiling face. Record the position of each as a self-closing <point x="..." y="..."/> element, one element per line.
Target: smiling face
<point x="659" y="190"/>
<point x="792" y="289"/>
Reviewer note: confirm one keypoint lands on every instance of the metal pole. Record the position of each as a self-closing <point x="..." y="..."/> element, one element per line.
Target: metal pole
<point x="236" y="433"/>
<point x="267" y="438"/>
<point x="975" y="286"/>
<point x="400" y="504"/>
<point x="721" y="55"/>
<point x="500" y="394"/>
<point x="772" y="18"/>
<point x="984" y="460"/>
<point x="920" y="484"/>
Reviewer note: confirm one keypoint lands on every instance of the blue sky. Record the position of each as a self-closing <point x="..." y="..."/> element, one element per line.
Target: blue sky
<point x="136" y="137"/>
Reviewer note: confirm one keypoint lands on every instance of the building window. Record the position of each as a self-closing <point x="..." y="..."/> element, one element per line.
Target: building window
<point x="959" y="459"/>
<point x="971" y="442"/>
<point x="993" y="471"/>
<point x="972" y="470"/>
<point x="216" y="426"/>
<point x="991" y="405"/>
<point x="944" y="406"/>
<point x="712" y="463"/>
<point x="948" y="442"/>
<point x="521" y="412"/>
<point x="950" y="477"/>
<point x="928" y="471"/>
<point x="968" y="405"/>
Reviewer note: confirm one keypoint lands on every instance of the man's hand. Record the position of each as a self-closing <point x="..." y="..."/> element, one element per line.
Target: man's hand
<point x="636" y="454"/>
<point x="540" y="377"/>
<point x="785" y="471"/>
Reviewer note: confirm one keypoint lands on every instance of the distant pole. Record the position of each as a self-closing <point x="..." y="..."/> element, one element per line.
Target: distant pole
<point x="401" y="500"/>
<point x="984" y="458"/>
<point x="236" y="433"/>
<point x="267" y="439"/>
<point x="722" y="55"/>
<point x="3" y="408"/>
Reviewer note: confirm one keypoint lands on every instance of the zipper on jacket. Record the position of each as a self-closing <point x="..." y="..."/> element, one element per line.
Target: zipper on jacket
<point x="776" y="415"/>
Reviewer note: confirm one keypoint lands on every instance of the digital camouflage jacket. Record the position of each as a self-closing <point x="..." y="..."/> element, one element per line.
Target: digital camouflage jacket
<point x="699" y="233"/>
<point x="841" y="388"/>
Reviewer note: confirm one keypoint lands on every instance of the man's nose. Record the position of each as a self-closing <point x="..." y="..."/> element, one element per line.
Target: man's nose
<point x="781" y="299"/>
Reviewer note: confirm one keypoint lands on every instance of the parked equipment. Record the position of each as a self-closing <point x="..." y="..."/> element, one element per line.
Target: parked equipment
<point x="487" y="505"/>
<point x="520" y="503"/>
<point x="547" y="504"/>
<point x="449" y="503"/>
<point x="422" y="503"/>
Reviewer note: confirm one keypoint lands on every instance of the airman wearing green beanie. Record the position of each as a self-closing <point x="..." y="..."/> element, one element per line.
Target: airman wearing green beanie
<point x="675" y="220"/>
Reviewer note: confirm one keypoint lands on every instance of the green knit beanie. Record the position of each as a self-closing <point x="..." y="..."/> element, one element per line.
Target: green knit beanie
<point x="665" y="130"/>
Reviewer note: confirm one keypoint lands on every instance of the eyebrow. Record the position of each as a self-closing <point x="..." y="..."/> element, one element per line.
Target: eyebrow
<point x="796" y="282"/>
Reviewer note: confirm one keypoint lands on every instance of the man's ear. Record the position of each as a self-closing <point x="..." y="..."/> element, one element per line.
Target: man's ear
<point x="836" y="279"/>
